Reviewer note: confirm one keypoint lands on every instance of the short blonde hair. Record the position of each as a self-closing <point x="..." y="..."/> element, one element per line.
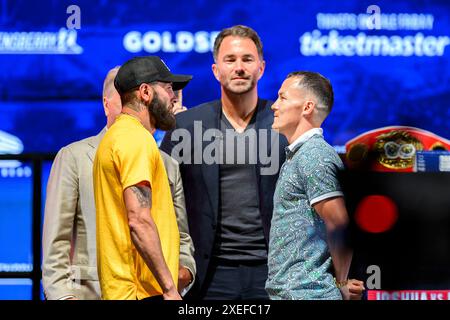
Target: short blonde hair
<point x="108" y="83"/>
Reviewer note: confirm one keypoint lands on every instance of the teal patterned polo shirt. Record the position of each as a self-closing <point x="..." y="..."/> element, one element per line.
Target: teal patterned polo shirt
<point x="299" y="260"/>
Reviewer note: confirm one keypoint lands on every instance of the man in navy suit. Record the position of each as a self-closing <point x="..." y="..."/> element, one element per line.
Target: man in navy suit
<point x="229" y="161"/>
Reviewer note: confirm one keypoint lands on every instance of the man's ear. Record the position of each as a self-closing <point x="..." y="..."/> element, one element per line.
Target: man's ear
<point x="215" y="71"/>
<point x="261" y="69"/>
<point x="146" y="92"/>
<point x="308" y="107"/>
<point x="105" y="106"/>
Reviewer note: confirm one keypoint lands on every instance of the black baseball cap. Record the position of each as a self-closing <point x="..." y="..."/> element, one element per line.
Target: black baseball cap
<point x="147" y="69"/>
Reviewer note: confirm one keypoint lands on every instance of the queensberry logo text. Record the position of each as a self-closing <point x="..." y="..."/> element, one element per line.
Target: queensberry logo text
<point x="181" y="41"/>
<point x="62" y="42"/>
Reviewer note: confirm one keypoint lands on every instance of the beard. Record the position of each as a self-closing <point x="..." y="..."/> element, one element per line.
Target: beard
<point x="241" y="87"/>
<point x="159" y="110"/>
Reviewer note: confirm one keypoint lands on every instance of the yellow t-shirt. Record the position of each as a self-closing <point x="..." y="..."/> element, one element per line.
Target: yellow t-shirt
<point x="126" y="156"/>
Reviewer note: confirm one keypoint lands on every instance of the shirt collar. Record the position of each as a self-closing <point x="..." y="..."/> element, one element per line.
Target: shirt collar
<point x="304" y="137"/>
<point x="294" y="146"/>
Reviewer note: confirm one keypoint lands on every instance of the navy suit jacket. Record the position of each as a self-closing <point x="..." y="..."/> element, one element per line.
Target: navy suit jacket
<point x="201" y="181"/>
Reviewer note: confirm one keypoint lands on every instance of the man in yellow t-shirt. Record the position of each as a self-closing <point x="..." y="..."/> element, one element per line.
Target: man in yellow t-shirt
<point x="137" y="232"/>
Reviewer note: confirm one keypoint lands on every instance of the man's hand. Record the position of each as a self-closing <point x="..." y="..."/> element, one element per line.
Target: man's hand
<point x="352" y="290"/>
<point x="184" y="278"/>
<point x="172" y="294"/>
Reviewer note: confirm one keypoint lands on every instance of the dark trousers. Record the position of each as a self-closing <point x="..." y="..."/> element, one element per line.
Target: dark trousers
<point x="227" y="280"/>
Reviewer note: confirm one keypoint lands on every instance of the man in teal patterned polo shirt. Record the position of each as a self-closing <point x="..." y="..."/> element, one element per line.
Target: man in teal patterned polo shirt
<point x="309" y="218"/>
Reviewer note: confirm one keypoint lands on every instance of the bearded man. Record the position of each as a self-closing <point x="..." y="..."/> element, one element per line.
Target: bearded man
<point x="137" y="232"/>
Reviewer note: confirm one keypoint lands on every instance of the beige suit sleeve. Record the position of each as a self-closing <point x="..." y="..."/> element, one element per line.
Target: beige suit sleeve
<point x="186" y="244"/>
<point x="60" y="212"/>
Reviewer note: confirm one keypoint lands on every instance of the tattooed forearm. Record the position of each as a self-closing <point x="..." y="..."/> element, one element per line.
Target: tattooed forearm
<point x="144" y="196"/>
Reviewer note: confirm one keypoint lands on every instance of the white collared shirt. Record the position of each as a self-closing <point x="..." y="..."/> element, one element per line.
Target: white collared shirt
<point x="305" y="136"/>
